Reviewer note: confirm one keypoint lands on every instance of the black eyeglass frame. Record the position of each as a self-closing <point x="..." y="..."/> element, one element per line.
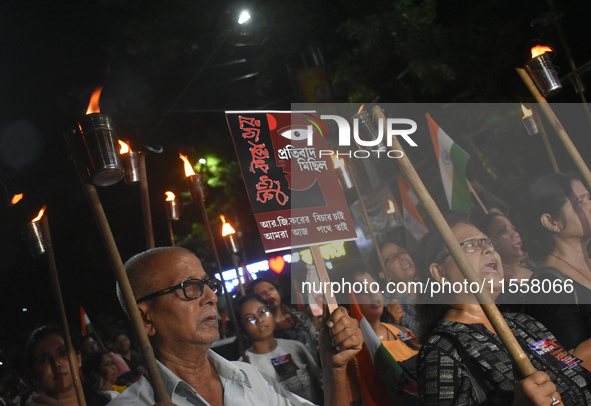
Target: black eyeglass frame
<point x="493" y="242"/>
<point x="216" y="284"/>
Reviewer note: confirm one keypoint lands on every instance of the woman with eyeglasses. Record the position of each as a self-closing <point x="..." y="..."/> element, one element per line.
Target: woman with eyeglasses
<point x="558" y="219"/>
<point x="289" y="324"/>
<point x="462" y="360"/>
<point x="287" y="361"/>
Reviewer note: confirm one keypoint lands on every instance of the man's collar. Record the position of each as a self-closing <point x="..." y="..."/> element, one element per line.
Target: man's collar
<point x="224" y="368"/>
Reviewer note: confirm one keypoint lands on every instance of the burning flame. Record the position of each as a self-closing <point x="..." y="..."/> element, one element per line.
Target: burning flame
<point x="169" y="196"/>
<point x="188" y="168"/>
<point x="338" y="162"/>
<point x="361" y="108"/>
<point x="124" y="148"/>
<point x="16" y="199"/>
<point x="40" y="214"/>
<point x="227" y="229"/>
<point x="526" y="112"/>
<point x="391" y="208"/>
<point x="93" y="106"/>
<point x="539" y="50"/>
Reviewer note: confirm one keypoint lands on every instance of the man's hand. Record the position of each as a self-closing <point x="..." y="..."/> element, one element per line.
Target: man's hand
<point x="395" y="310"/>
<point x="536" y="389"/>
<point x="340" y="338"/>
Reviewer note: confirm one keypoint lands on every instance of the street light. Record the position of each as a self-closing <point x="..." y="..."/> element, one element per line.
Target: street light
<point x="244" y="17"/>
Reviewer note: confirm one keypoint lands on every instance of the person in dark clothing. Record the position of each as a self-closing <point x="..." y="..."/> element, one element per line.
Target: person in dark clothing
<point x="558" y="219"/>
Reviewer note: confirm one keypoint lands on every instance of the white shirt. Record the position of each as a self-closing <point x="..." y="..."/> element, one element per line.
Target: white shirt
<point x="243" y="385"/>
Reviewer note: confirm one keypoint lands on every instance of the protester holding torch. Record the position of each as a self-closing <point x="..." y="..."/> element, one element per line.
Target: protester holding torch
<point x="463" y="361"/>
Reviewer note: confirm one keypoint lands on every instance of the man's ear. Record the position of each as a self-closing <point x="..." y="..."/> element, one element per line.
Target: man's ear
<point x="437" y="271"/>
<point x="381" y="275"/>
<point x="146" y="315"/>
<point x="549" y="223"/>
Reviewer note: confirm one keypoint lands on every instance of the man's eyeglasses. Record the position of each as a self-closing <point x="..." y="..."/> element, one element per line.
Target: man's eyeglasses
<point x="192" y="289"/>
<point x="396" y="256"/>
<point x="474" y="245"/>
<point x="262" y="313"/>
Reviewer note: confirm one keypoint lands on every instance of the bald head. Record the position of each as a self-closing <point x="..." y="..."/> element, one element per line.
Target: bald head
<point x="146" y="269"/>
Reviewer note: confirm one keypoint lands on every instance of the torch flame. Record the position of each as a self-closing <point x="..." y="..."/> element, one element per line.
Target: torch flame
<point x="188" y="168"/>
<point x="539" y="50"/>
<point x="526" y="112"/>
<point x="40" y="214"/>
<point x="338" y="162"/>
<point x="361" y="108"/>
<point x="169" y="196"/>
<point x="124" y="148"/>
<point x="227" y="229"/>
<point x="391" y="208"/>
<point x="16" y="199"/>
<point x="93" y="106"/>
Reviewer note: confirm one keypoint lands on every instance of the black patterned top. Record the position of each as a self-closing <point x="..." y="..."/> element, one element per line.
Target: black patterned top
<point x="444" y="377"/>
<point x="303" y="330"/>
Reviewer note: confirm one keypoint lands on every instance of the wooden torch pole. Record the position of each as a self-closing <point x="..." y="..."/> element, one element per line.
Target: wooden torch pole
<point x="57" y="292"/>
<point x="490" y="309"/>
<point x="570" y="147"/>
<point x="368" y="222"/>
<point x="145" y="195"/>
<point x="119" y="270"/>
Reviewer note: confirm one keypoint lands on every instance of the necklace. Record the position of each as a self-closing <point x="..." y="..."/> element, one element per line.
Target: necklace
<point x="576" y="269"/>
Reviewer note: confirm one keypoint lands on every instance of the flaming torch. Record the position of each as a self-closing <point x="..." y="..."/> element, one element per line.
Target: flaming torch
<point x="135" y="171"/>
<point x="39" y="237"/>
<point x="97" y="133"/>
<point x="529" y="121"/>
<point x="343" y="174"/>
<point x="196" y="187"/>
<point x="173" y="209"/>
<point x="131" y="165"/>
<point x="32" y="232"/>
<point x="535" y="126"/>
<point x="15" y="199"/>
<point x="228" y="234"/>
<point x="542" y="71"/>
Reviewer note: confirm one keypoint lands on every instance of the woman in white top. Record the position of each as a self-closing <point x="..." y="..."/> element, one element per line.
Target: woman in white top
<point x="287" y="361"/>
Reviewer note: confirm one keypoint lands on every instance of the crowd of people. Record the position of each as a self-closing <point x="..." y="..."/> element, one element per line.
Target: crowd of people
<point x="446" y="348"/>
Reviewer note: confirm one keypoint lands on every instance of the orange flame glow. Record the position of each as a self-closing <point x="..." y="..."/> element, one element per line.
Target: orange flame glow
<point x="227" y="229"/>
<point x="526" y="112"/>
<point x="93" y="106"/>
<point x="391" y="208"/>
<point x="124" y="148"/>
<point x="539" y="50"/>
<point x="361" y="108"/>
<point x="169" y="196"/>
<point x="40" y="214"/>
<point x="338" y="162"/>
<point x="188" y="168"/>
<point x="16" y="199"/>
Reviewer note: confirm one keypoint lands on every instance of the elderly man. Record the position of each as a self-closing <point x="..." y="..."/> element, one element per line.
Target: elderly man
<point x="178" y="304"/>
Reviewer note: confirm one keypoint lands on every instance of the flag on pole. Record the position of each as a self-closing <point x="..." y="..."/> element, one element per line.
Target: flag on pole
<point x="377" y="388"/>
<point x="415" y="227"/>
<point x="452" y="165"/>
<point x="85" y="322"/>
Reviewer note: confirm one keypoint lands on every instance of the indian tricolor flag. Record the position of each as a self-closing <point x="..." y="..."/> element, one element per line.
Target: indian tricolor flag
<point x="85" y="322"/>
<point x="415" y="227"/>
<point x="452" y="165"/>
<point x="379" y="373"/>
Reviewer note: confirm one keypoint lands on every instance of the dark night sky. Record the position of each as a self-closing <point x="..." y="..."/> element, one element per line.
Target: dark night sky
<point x="52" y="56"/>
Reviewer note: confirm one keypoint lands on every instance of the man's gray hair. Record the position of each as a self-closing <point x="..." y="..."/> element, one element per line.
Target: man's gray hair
<point x="136" y="271"/>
